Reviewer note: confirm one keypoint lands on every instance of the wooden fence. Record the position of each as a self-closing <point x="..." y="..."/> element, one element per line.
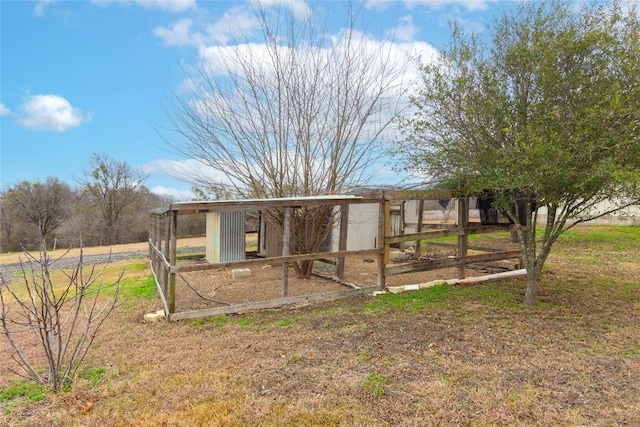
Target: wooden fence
<point x="163" y="255"/>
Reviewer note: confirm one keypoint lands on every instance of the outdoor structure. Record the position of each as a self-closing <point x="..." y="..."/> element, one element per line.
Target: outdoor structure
<point x="360" y="235"/>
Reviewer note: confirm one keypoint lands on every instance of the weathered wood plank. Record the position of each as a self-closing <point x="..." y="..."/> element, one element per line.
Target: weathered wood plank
<point x="172" y="243"/>
<point x="286" y="242"/>
<point x="463" y="237"/>
<point x="470" y="247"/>
<point x="165" y="306"/>
<point x="260" y="204"/>
<point x="448" y="262"/>
<point x="274" y="303"/>
<point x="272" y="260"/>
<point x="342" y="239"/>
<point x="447" y="232"/>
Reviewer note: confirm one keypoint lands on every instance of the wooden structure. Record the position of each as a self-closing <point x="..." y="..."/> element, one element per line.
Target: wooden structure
<point x="163" y="246"/>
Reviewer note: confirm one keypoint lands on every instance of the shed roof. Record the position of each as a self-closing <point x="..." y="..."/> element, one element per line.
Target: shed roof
<point x="257" y="204"/>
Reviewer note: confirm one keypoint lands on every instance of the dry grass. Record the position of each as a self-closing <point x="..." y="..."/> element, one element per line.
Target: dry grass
<point x="446" y="356"/>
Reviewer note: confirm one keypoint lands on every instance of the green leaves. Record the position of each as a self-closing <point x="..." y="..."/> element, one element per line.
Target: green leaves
<point x="550" y="106"/>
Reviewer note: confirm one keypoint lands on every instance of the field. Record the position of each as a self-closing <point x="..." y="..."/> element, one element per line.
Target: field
<point x="445" y="356"/>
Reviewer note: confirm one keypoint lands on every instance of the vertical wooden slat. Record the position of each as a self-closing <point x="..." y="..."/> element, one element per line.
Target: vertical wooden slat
<point x="342" y="242"/>
<point x="384" y="229"/>
<point x="165" y="248"/>
<point x="463" y="238"/>
<point x="403" y="222"/>
<point x="286" y="239"/>
<point x="418" y="252"/>
<point x="172" y="247"/>
<point x="387" y="228"/>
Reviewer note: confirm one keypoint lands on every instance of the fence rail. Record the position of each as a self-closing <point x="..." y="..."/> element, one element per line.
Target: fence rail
<point x="163" y="248"/>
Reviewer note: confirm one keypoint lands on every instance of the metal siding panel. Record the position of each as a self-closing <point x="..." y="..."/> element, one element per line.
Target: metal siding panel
<point x="232" y="236"/>
<point x="225" y="236"/>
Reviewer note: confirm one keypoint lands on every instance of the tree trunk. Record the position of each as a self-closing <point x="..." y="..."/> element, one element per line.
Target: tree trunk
<point x="533" y="286"/>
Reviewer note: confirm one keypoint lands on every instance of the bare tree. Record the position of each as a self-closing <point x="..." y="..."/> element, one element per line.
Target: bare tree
<point x="112" y="187"/>
<point x="299" y="113"/>
<point x="64" y="319"/>
<point x="44" y="206"/>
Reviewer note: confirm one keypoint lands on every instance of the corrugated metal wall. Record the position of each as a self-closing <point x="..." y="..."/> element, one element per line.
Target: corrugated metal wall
<point x="225" y="236"/>
<point x="363" y="227"/>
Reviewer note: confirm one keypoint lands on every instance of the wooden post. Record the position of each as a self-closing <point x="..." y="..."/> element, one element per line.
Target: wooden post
<point x="172" y="248"/>
<point x="463" y="238"/>
<point x="384" y="229"/>
<point x="157" y="261"/>
<point x="387" y="228"/>
<point x="418" y="252"/>
<point x="342" y="242"/>
<point x="165" y="248"/>
<point x="403" y="223"/>
<point x="286" y="239"/>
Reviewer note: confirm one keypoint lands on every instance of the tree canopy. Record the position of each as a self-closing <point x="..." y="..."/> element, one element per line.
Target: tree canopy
<point x="43" y="205"/>
<point x="291" y="112"/>
<point x="546" y="110"/>
<point x="112" y="187"/>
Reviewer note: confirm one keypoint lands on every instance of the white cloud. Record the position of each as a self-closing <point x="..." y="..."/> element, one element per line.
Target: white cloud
<point x="299" y="8"/>
<point x="38" y="9"/>
<point x="173" y="193"/>
<point x="50" y="112"/>
<point x="235" y="23"/>
<point x="4" y="110"/>
<point x="379" y="5"/>
<point x="406" y="30"/>
<point x="188" y="170"/>
<point x="179" y="34"/>
<point x="166" y="5"/>
<point x="470" y="5"/>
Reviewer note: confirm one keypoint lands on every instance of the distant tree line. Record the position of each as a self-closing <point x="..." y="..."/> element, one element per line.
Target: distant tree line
<point x="109" y="206"/>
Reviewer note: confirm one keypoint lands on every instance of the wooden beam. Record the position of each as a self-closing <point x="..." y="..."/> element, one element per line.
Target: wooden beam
<point x="273" y="260"/>
<point x="436" y="264"/>
<point x="172" y="243"/>
<point x="381" y="245"/>
<point x="286" y="241"/>
<point x="165" y="306"/>
<point x="446" y="232"/>
<point x="261" y="204"/>
<point x="387" y="229"/>
<point x="463" y="237"/>
<point x="342" y="239"/>
<point x="279" y="302"/>
<point x="425" y="235"/>
<point x="419" y="227"/>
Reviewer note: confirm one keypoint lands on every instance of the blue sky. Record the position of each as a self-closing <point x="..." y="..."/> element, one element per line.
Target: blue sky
<point x="84" y="77"/>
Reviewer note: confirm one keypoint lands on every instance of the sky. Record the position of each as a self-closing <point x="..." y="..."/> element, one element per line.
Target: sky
<point x="85" y="77"/>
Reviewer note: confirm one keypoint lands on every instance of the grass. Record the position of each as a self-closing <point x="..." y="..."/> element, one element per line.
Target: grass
<point x="439" y="296"/>
<point x="374" y="383"/>
<point x="93" y="376"/>
<point x="19" y="392"/>
<point x="411" y="301"/>
<point x="447" y="355"/>
<point x="139" y="287"/>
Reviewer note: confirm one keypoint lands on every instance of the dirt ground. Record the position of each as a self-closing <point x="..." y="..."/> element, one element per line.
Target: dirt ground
<point x="210" y="288"/>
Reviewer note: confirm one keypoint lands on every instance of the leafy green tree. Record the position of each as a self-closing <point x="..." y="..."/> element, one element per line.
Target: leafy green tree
<point x="547" y="105"/>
